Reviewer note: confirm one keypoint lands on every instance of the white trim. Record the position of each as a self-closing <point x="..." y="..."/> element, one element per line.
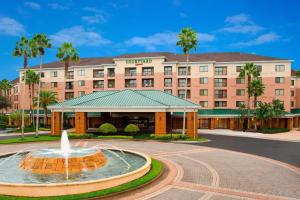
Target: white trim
<point x="149" y="57"/>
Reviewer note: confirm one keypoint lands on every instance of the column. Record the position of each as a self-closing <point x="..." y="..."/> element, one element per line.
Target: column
<point x="160" y="123"/>
<point x="56" y="123"/>
<point x="232" y="124"/>
<point x="290" y="123"/>
<point x="192" y="119"/>
<point x="212" y="123"/>
<point x="80" y="122"/>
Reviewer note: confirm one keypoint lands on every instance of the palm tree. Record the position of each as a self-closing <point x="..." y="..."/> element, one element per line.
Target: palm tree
<point x="5" y="86"/>
<point x="4" y="103"/>
<point x="249" y="71"/>
<point x="256" y="89"/>
<point x="278" y="109"/>
<point x="67" y="54"/>
<point x="187" y="40"/>
<point x="298" y="74"/>
<point x="23" y="49"/>
<point x="32" y="78"/>
<point x="46" y="98"/>
<point x="40" y="43"/>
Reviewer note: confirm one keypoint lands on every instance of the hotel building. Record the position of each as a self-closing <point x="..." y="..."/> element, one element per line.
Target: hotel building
<point x="212" y="82"/>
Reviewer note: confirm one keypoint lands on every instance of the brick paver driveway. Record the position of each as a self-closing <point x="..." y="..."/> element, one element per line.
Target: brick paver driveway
<point x="199" y="172"/>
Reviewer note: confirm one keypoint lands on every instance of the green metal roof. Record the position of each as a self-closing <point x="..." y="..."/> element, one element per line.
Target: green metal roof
<point x="295" y="111"/>
<point x="127" y="98"/>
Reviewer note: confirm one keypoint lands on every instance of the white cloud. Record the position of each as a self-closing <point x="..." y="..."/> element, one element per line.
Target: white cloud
<point x="32" y="5"/>
<point x="98" y="16"/>
<point x="237" y="19"/>
<point x="9" y="26"/>
<point x="262" y="39"/>
<point x="166" y="39"/>
<point x="182" y="15"/>
<point x="79" y="37"/>
<point x="56" y="6"/>
<point x="241" y="23"/>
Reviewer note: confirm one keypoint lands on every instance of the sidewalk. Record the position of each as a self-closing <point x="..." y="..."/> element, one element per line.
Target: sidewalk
<point x="292" y="136"/>
<point x="18" y="134"/>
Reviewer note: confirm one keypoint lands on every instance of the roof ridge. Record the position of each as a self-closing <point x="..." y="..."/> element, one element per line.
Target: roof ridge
<point x="137" y="91"/>
<point x="113" y="92"/>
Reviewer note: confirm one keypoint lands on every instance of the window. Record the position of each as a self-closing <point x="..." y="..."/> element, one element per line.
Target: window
<point x="292" y="82"/>
<point x="279" y="79"/>
<point x="203" y="80"/>
<point x="130" y="83"/>
<point x="181" y="94"/>
<point x="69" y="95"/>
<point x="239" y="68"/>
<point x="240" y="92"/>
<point x="81" y="93"/>
<point x="98" y="73"/>
<point x="111" y="72"/>
<point x="81" y="72"/>
<point x="183" y="71"/>
<point x="148" y="82"/>
<point x="111" y="83"/>
<point x="70" y="85"/>
<point x="70" y="75"/>
<point x="240" y="81"/>
<point x="220" y="82"/>
<point x="42" y="74"/>
<point x="98" y="84"/>
<point x="169" y="91"/>
<point x="292" y="104"/>
<point x="203" y="68"/>
<point x="259" y="68"/>
<point x="279" y="92"/>
<point x="220" y="70"/>
<point x="168" y="70"/>
<point x="130" y="71"/>
<point x="203" y="92"/>
<point x="203" y="104"/>
<point x="182" y="82"/>
<point x="239" y="103"/>
<point x="81" y="83"/>
<point x="292" y="93"/>
<point x="43" y="84"/>
<point x="53" y="73"/>
<point x="279" y="68"/>
<point x="219" y="104"/>
<point x="148" y="71"/>
<point x="53" y="84"/>
<point x="220" y="94"/>
<point x="168" y="82"/>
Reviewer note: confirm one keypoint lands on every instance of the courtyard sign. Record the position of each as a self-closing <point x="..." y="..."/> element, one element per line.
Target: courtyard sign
<point x="139" y="61"/>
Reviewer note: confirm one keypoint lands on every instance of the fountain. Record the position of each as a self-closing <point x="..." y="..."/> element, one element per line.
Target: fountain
<point x="69" y="170"/>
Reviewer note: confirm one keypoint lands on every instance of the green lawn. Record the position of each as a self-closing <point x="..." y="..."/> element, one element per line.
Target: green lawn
<point x="29" y="139"/>
<point x="156" y="169"/>
<point x="29" y="129"/>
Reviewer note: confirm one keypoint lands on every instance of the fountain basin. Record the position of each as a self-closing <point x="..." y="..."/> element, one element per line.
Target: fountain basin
<point x="80" y="185"/>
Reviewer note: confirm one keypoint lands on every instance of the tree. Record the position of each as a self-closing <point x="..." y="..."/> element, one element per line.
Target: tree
<point x="4" y="103"/>
<point x="187" y="40"/>
<point x="278" y="109"/>
<point x="46" y="98"/>
<point x="66" y="53"/>
<point x="243" y="112"/>
<point x="264" y="112"/>
<point x="249" y="71"/>
<point x="24" y="49"/>
<point x="40" y="42"/>
<point x="32" y="78"/>
<point x="298" y="74"/>
<point x="17" y="118"/>
<point x="5" y="86"/>
<point x="256" y="89"/>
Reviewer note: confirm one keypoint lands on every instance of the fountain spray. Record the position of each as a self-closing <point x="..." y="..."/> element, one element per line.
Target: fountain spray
<point x="65" y="150"/>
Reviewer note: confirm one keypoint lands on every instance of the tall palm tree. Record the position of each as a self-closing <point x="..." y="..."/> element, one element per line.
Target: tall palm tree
<point x="255" y="89"/>
<point x="41" y="42"/>
<point x="32" y="78"/>
<point x="187" y="40"/>
<point x="249" y="71"/>
<point x="67" y="54"/>
<point x="5" y="86"/>
<point x="46" y="98"/>
<point x="23" y="49"/>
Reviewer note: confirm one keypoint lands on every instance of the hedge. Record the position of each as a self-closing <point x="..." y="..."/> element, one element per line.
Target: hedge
<point x="131" y="128"/>
<point x="107" y="128"/>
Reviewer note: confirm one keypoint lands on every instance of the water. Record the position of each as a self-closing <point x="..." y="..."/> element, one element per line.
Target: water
<point x="65" y="148"/>
<point x="11" y="173"/>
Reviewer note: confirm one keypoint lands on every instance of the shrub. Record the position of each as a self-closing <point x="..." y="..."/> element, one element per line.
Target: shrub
<point x="273" y="130"/>
<point x="107" y="128"/>
<point x="131" y="128"/>
<point x="174" y="136"/>
<point x="4" y="118"/>
<point x="2" y="125"/>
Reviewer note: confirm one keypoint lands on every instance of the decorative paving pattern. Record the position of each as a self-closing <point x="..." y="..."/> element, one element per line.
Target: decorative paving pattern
<point x="205" y="173"/>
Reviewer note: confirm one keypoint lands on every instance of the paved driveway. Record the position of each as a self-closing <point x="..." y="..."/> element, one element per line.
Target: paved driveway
<point x="201" y="172"/>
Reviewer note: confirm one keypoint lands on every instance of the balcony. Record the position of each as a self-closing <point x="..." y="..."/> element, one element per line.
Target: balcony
<point x="98" y="86"/>
<point x="130" y="85"/>
<point x="69" y="85"/>
<point x="98" y="75"/>
<point x="148" y="73"/>
<point x="130" y="73"/>
<point x="183" y="73"/>
<point x="168" y="73"/>
<point x="70" y="76"/>
<point x="111" y="74"/>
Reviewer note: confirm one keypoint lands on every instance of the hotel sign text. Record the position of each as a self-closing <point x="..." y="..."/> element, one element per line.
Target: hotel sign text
<point x="139" y="61"/>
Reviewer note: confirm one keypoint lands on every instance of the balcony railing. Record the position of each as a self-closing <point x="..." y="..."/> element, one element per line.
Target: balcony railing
<point x="168" y="73"/>
<point x="168" y="84"/>
<point x="98" y="86"/>
<point x="182" y="73"/>
<point x="221" y="84"/>
<point x="111" y="74"/>
<point x="130" y="73"/>
<point x="148" y="73"/>
<point x="98" y="75"/>
<point x="183" y="85"/>
<point x="130" y="85"/>
<point x="220" y="96"/>
<point x="70" y="76"/>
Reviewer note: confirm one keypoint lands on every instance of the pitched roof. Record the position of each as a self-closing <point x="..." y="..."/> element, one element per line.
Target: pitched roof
<point x="127" y="99"/>
<point x="15" y="81"/>
<point x="170" y="57"/>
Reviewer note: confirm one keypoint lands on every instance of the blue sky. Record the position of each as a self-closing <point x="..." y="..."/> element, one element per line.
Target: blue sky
<point x="108" y="28"/>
